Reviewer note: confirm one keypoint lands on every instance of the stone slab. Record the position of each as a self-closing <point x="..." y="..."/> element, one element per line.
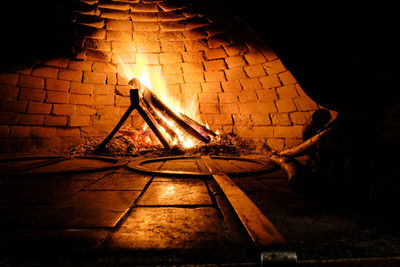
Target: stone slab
<point x="319" y="232"/>
<point x="79" y="176"/>
<point x="41" y="242"/>
<point x="175" y="179"/>
<point x="85" y="209"/>
<point x="74" y="164"/>
<point x="38" y="190"/>
<point x="181" y="165"/>
<point x="169" y="228"/>
<point x="176" y="193"/>
<point x="120" y="181"/>
<point x="228" y="165"/>
<point x="250" y="184"/>
<point x="96" y="208"/>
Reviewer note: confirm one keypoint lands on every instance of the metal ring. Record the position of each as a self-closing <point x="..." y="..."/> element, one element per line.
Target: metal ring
<point x="138" y="166"/>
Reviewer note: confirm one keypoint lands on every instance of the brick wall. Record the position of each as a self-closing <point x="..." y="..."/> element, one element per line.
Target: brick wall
<point x="239" y="83"/>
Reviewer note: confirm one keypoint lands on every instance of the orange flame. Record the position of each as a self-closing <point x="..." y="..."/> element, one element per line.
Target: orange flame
<point x="151" y="77"/>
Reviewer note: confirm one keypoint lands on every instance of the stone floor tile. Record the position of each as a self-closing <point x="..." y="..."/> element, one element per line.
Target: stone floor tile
<point x="175" y="179"/>
<point x="79" y="176"/>
<point x="274" y="181"/>
<point x="181" y="165"/>
<point x="176" y="193"/>
<point x="250" y="184"/>
<point x="227" y="165"/>
<point x="73" y="164"/>
<point x="84" y="209"/>
<point x="96" y="208"/>
<point x="316" y="231"/>
<point x="273" y="174"/>
<point x="38" y="190"/>
<point x="25" y="215"/>
<point x="41" y="242"/>
<point x="120" y="181"/>
<point x="169" y="228"/>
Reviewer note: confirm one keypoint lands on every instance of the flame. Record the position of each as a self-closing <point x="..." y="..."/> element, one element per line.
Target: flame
<point x="188" y="143"/>
<point x="151" y="77"/>
<point x="147" y="140"/>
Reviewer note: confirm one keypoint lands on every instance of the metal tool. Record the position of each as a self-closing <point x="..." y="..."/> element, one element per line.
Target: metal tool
<point x="272" y="245"/>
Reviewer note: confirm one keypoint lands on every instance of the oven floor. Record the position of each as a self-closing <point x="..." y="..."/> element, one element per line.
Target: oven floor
<point x="120" y="217"/>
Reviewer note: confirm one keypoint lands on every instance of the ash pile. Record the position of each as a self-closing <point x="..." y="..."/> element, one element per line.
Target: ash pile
<point x="129" y="142"/>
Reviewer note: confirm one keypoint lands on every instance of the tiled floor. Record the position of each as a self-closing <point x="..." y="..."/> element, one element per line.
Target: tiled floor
<point x="123" y="217"/>
<point x="166" y="218"/>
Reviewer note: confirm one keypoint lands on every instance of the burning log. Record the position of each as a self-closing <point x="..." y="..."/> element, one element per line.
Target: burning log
<point x="159" y="120"/>
<point x="192" y="122"/>
<point x="152" y="110"/>
<point x="152" y="100"/>
<point x="152" y="125"/>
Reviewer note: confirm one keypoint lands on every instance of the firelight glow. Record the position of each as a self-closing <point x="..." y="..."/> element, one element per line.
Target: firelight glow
<point x="151" y="76"/>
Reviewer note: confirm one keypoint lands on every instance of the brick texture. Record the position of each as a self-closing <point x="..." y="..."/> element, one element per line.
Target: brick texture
<point x="238" y="85"/>
<point x="39" y="108"/>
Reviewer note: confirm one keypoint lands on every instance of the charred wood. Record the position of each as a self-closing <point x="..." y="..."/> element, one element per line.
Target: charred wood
<point x="150" y="109"/>
<point x="151" y="99"/>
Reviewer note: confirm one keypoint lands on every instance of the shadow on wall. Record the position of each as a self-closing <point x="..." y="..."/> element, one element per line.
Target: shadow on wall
<point x="36" y="30"/>
<point x="339" y="53"/>
<point x="346" y="59"/>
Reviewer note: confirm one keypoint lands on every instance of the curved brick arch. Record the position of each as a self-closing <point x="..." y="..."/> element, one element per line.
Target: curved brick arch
<point x="239" y="83"/>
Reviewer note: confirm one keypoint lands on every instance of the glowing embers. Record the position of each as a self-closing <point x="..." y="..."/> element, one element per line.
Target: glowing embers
<point x="158" y="116"/>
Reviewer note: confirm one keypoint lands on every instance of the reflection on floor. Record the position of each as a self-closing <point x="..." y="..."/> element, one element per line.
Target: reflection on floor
<point x="123" y="217"/>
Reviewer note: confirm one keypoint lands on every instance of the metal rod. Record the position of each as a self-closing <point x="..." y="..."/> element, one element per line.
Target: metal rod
<point x="103" y="144"/>
<point x="134" y="97"/>
<point x="159" y="120"/>
<point x="153" y="127"/>
<point x="272" y="245"/>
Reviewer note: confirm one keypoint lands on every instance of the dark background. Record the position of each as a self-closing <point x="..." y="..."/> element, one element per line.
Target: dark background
<point x="333" y="49"/>
<point x="37" y="30"/>
<point x="343" y="55"/>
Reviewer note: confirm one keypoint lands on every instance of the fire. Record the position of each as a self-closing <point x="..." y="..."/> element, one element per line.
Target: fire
<point x="188" y="143"/>
<point x="151" y="76"/>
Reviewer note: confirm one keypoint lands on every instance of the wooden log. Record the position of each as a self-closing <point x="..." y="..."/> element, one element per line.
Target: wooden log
<point x="286" y="159"/>
<point x="151" y="99"/>
<point x="149" y="109"/>
<point x="192" y="122"/>
<point x="156" y="102"/>
<point x="150" y="121"/>
<point x="304" y="147"/>
<point x="291" y="166"/>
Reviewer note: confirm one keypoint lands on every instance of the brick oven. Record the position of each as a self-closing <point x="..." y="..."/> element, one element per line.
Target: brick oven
<point x="308" y="87"/>
<point x="232" y="79"/>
